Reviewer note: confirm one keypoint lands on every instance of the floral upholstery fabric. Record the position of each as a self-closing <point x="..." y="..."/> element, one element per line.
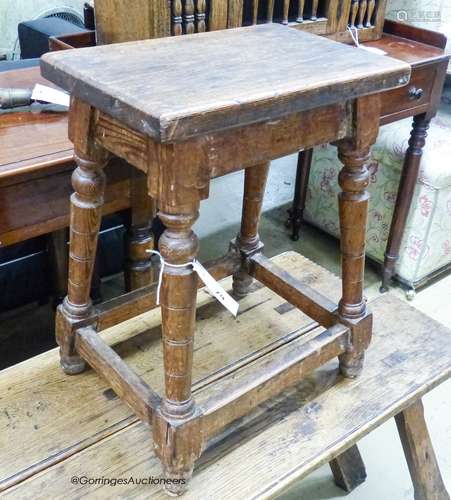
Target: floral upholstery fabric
<point x="426" y="245"/>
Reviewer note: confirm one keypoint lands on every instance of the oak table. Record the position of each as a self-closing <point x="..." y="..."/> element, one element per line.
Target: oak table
<point x="185" y="110"/>
<point x="49" y="434"/>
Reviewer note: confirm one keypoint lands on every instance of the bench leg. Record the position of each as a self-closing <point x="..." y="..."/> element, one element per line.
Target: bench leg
<point x="296" y="211"/>
<point x="348" y="469"/>
<point x="248" y="240"/>
<point x="416" y="442"/>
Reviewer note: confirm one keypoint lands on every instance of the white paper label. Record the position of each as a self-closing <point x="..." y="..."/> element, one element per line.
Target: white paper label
<point x="49" y="94"/>
<point x="375" y="50"/>
<point x="216" y="289"/>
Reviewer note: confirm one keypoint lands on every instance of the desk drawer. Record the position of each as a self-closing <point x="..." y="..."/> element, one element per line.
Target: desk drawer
<point x="416" y="93"/>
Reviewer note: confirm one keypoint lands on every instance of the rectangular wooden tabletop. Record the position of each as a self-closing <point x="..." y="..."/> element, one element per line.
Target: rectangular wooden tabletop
<point x="177" y="87"/>
<point x="54" y="427"/>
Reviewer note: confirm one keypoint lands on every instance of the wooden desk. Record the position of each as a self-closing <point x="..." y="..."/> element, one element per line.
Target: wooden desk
<point x="424" y="51"/>
<point x="49" y="434"/>
<point x="36" y="164"/>
<point x="30" y="142"/>
<point x="236" y="114"/>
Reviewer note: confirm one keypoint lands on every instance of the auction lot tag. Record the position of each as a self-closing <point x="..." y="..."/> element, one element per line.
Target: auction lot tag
<point x="49" y="94"/>
<point x="216" y="289"/>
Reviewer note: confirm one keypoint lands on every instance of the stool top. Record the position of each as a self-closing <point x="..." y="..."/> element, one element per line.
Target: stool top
<point x="178" y="87"/>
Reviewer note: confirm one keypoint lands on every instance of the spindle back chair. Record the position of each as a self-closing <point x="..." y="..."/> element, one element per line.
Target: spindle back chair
<point x="118" y="21"/>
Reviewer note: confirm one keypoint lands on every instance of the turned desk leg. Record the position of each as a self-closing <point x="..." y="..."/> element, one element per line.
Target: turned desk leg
<point x="296" y="212"/>
<point x="139" y="238"/>
<point x="178" y="446"/>
<point x="353" y="210"/>
<point x="248" y="240"/>
<point x="416" y="442"/>
<point x="406" y="190"/>
<point x="88" y="181"/>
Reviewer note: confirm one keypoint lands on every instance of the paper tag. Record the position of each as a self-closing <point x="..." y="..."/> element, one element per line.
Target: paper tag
<point x="216" y="289"/>
<point x="354" y="32"/>
<point x="49" y="94"/>
<point x="374" y="50"/>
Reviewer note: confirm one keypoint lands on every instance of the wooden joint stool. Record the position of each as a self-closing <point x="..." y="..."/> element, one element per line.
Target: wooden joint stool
<point x="185" y="110"/>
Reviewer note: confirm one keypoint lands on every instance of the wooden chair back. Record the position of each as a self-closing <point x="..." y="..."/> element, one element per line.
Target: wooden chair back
<point x="119" y="21"/>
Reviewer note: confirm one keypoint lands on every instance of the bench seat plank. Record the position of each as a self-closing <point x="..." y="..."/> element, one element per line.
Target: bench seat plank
<point x="57" y="415"/>
<point x="287" y="438"/>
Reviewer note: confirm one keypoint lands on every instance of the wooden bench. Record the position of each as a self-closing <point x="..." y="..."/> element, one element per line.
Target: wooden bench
<point x="53" y="428"/>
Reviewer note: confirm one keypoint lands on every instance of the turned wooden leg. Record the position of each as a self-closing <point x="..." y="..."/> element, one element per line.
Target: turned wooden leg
<point x="178" y="445"/>
<point x="96" y="282"/>
<point x="139" y="238"/>
<point x="88" y="181"/>
<point x="296" y="212"/>
<point x="406" y="190"/>
<point x="59" y="256"/>
<point x="348" y="469"/>
<point x="353" y="210"/>
<point x="416" y="442"/>
<point x="248" y="241"/>
<point x="59" y="259"/>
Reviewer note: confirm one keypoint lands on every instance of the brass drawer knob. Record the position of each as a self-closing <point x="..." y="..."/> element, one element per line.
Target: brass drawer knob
<point x="415" y="93"/>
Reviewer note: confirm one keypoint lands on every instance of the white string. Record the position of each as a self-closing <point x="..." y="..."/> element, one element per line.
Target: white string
<point x="354" y="35"/>
<point x="355" y="38"/>
<point x="212" y="286"/>
<point x="163" y="263"/>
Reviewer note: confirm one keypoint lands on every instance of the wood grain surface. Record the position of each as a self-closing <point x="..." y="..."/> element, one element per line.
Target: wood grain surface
<point x="41" y="205"/>
<point x="227" y="78"/>
<point x="55" y="438"/>
<point x="36" y="163"/>
<point x="68" y="427"/>
<point x="411" y="51"/>
<point x="27" y="140"/>
<point x="119" y="21"/>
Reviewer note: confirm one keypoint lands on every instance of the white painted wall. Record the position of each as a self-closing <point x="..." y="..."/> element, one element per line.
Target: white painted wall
<point x="422" y="13"/>
<point x="430" y="14"/>
<point x="12" y="12"/>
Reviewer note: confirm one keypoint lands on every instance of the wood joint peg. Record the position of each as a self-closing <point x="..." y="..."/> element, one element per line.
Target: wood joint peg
<point x="360" y="331"/>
